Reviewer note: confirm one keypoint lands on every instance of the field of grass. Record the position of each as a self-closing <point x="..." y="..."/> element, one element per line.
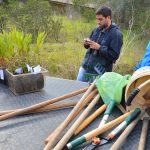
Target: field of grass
<point x="64" y="58"/>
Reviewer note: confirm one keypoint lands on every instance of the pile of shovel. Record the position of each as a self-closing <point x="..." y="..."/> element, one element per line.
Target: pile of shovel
<point x="108" y="89"/>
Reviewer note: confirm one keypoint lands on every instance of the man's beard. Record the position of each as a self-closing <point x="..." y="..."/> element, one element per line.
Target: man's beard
<point x="105" y="25"/>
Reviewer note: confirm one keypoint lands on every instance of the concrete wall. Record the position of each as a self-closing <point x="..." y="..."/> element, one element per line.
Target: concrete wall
<point x="66" y="7"/>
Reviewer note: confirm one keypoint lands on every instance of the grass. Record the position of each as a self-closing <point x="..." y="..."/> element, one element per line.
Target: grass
<point x="75" y="30"/>
<point x="63" y="58"/>
<point x="132" y="52"/>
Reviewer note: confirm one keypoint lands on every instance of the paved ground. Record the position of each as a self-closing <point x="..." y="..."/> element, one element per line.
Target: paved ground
<point x="28" y="132"/>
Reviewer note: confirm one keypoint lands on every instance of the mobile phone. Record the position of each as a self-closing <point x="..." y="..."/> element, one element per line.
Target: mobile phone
<point x="87" y="40"/>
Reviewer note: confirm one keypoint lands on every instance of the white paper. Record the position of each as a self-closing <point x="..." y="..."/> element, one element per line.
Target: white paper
<point x="37" y="69"/>
<point x="19" y="70"/>
<point x="1" y="74"/>
<point x="30" y="69"/>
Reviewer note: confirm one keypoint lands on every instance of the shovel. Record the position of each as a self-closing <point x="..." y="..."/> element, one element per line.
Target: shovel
<point x="88" y="120"/>
<point x="86" y="98"/>
<point x="110" y="86"/>
<point x="97" y="113"/>
<point x="73" y="128"/>
<point x="144" y="131"/>
<point x="88" y="136"/>
<point x="105" y="139"/>
<point x="135" y="99"/>
<point x="126" y="132"/>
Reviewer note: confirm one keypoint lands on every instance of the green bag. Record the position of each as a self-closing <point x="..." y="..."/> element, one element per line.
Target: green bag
<point x="110" y="86"/>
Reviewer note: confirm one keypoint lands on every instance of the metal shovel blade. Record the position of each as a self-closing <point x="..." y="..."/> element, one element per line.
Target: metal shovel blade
<point x="148" y="111"/>
<point x="93" y="146"/>
<point x="90" y="147"/>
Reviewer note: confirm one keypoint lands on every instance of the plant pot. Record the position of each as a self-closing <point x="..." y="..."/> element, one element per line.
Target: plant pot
<point x="25" y="83"/>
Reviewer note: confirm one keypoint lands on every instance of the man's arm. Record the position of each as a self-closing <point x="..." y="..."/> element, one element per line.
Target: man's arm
<point x="113" y="51"/>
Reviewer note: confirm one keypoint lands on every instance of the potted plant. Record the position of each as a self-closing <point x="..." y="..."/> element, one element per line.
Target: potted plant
<point x="22" y="54"/>
<point x="6" y="52"/>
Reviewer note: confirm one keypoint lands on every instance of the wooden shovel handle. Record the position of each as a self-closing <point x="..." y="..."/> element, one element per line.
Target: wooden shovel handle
<point x="143" y="134"/>
<point x="46" y="108"/>
<point x="147" y="103"/>
<point x="70" y="117"/>
<point x="106" y="127"/>
<point x="125" y="134"/>
<point x="53" y="137"/>
<point x="87" y="121"/>
<point x="96" y="132"/>
<point x="40" y="105"/>
<point x="72" y="129"/>
<point x="121" y="108"/>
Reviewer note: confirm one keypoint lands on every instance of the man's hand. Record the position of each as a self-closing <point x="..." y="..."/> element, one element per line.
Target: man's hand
<point x="94" y="45"/>
<point x="86" y="41"/>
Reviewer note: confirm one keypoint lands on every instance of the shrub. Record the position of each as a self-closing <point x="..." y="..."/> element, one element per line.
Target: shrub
<point x="16" y="49"/>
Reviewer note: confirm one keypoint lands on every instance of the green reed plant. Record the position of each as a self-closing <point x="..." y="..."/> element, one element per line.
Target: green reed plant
<point x="17" y="49"/>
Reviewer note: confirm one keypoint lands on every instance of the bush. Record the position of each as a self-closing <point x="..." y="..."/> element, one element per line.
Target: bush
<point x="16" y="49"/>
<point x="31" y="17"/>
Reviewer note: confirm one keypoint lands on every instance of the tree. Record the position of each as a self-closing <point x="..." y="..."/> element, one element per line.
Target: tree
<point x="87" y="13"/>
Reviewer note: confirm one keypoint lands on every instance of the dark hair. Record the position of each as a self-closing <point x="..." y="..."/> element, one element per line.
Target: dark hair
<point x="105" y="11"/>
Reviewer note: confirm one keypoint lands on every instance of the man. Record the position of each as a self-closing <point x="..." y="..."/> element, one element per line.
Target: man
<point x="103" y="46"/>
